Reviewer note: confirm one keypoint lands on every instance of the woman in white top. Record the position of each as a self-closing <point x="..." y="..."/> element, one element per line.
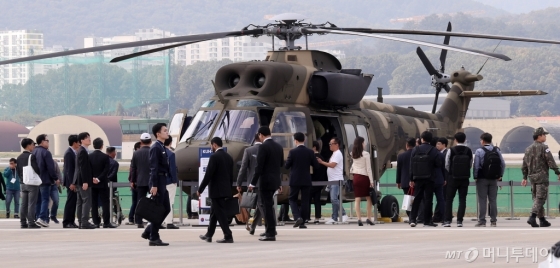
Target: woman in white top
<point x="363" y="179"/>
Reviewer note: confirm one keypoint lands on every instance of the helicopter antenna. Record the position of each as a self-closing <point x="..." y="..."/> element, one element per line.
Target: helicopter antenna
<point x="487" y="58"/>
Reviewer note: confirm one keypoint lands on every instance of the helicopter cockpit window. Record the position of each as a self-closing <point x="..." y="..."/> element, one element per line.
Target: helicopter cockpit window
<point x="251" y="103"/>
<point x="201" y="124"/>
<point x="208" y="104"/>
<point x="237" y="125"/>
<point x="286" y="124"/>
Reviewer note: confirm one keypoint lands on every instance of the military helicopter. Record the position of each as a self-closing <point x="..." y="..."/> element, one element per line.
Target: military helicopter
<point x="299" y="90"/>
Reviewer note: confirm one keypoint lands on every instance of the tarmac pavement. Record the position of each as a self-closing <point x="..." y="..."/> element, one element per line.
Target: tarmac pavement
<point x="343" y="245"/>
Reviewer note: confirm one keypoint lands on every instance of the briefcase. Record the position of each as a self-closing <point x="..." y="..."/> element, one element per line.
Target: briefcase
<point x="232" y="206"/>
<point x="249" y="200"/>
<point x="150" y="209"/>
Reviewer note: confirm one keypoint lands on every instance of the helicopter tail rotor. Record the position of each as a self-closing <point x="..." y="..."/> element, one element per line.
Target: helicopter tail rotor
<point x="439" y="78"/>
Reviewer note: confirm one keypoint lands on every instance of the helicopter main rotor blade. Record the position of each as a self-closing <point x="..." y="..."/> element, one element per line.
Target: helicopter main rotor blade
<point x="417" y="42"/>
<point x="429" y="67"/>
<point x="149" y="51"/>
<point x="443" y="54"/>
<point x="441" y="33"/>
<point x="186" y="38"/>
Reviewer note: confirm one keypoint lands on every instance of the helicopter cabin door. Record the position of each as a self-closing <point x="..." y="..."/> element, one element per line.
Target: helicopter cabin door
<point x="178" y="125"/>
<point x="288" y="120"/>
<point x="354" y="126"/>
<point x="284" y="123"/>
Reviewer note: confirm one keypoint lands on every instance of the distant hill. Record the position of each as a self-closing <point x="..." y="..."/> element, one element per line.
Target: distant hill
<point x="521" y="6"/>
<point x="67" y="22"/>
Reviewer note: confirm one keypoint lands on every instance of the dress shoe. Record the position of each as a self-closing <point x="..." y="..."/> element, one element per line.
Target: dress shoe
<point x="87" y="226"/>
<point x="369" y="222"/>
<point x="264" y="234"/>
<point x="225" y="240"/>
<point x="140" y="225"/>
<point x="24" y="226"/>
<point x="16" y="216"/>
<point x="360" y="223"/>
<point x="298" y="223"/>
<point x="266" y="238"/>
<point x="110" y="225"/>
<point x="302" y="226"/>
<point x="205" y="238"/>
<point x="72" y="226"/>
<point x="172" y="226"/>
<point x="54" y="220"/>
<point x="33" y="226"/>
<point x="7" y="215"/>
<point x="252" y="232"/>
<point x="96" y="225"/>
<point x="145" y="235"/>
<point x="158" y="243"/>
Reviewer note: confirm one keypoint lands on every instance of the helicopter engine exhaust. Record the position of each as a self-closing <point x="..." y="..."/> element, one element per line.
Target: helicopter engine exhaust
<point x="338" y="89"/>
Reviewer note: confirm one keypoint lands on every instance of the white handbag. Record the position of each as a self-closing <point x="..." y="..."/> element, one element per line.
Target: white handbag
<point x="408" y="199"/>
<point x="29" y="175"/>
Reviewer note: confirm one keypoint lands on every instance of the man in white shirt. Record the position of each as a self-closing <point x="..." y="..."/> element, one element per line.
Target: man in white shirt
<point x="334" y="173"/>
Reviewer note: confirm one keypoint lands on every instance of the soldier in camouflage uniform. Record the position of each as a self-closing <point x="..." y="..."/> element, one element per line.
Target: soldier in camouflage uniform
<point x="536" y="162"/>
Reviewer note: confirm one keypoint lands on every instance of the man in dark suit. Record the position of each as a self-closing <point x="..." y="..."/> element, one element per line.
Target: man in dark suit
<point x="441" y="180"/>
<point x="267" y="177"/>
<point x="246" y="172"/>
<point x="300" y="160"/>
<point x="140" y="170"/>
<point x="100" y="190"/>
<point x="113" y="164"/>
<point x="403" y="167"/>
<point x="133" y="191"/>
<point x="218" y="178"/>
<point x="68" y="221"/>
<point x="159" y="170"/>
<point x="83" y="180"/>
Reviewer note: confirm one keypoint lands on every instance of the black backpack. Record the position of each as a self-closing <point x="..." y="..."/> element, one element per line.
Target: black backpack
<point x="422" y="165"/>
<point x="492" y="166"/>
<point x="461" y="164"/>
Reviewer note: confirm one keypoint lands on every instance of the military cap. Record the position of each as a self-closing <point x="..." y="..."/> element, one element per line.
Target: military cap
<point x="540" y="131"/>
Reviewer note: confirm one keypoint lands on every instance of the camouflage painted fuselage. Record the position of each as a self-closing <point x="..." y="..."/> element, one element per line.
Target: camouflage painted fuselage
<point x="288" y="86"/>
